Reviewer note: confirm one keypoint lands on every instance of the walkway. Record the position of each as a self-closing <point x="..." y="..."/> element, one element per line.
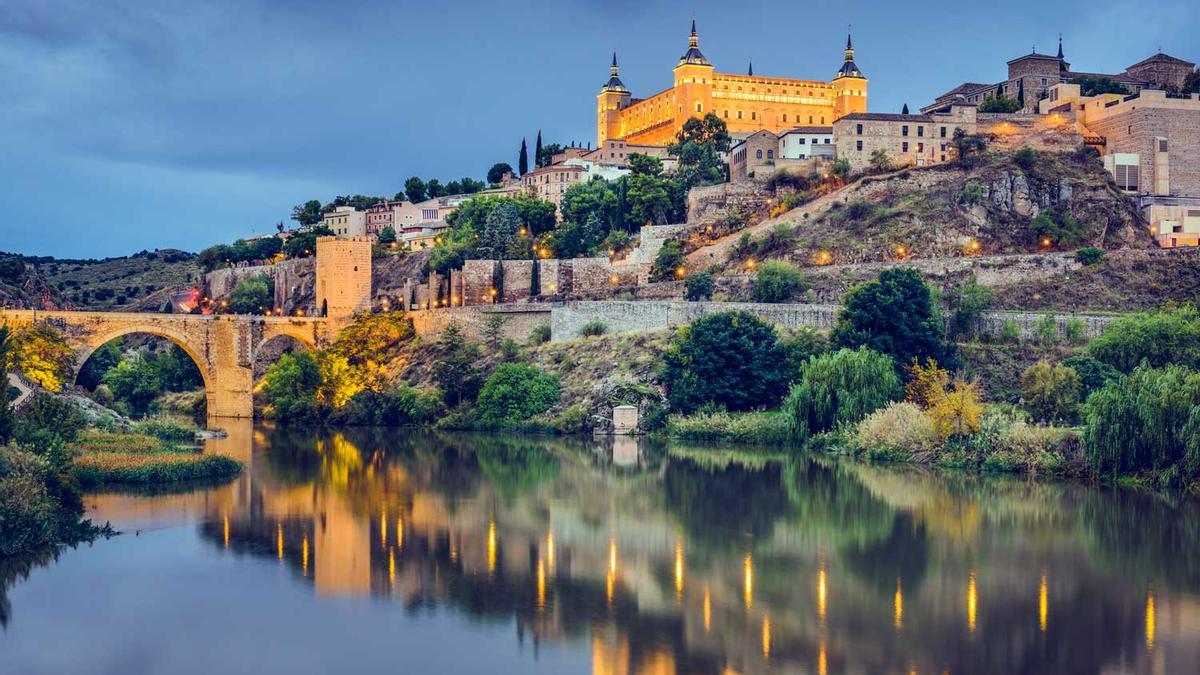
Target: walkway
<point x="24" y="391"/>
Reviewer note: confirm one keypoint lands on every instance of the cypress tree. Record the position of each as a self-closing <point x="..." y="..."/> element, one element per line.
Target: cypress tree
<point x="905" y="110"/>
<point x="535" y="281"/>
<point x="523" y="160"/>
<point x="498" y="280"/>
<point x="1021" y="93"/>
<point x="537" y="149"/>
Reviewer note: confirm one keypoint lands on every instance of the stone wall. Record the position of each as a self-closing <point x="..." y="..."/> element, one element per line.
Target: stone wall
<point x="711" y="202"/>
<point x="519" y="320"/>
<point x="294" y="282"/>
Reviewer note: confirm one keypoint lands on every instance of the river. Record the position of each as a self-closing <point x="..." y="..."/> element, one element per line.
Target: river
<point x="405" y="551"/>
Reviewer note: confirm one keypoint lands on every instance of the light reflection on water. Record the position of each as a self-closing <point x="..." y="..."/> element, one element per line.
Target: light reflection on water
<point x="590" y="556"/>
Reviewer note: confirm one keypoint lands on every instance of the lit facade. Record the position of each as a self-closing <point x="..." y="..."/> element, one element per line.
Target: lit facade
<point x="747" y="103"/>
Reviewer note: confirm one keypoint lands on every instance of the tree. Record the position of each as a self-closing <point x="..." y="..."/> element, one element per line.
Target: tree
<point x="893" y="315"/>
<point x="388" y="235"/>
<point x="647" y="192"/>
<point x="308" y="213"/>
<point x="698" y="286"/>
<point x="414" y="188"/>
<point x="596" y="197"/>
<point x="1021" y="93"/>
<point x="455" y="371"/>
<point x="732" y="359"/>
<point x="574" y="239"/>
<point x="304" y="244"/>
<point x="1168" y="336"/>
<point x="999" y="104"/>
<point x="42" y="355"/>
<point x="291" y="383"/>
<point x="252" y="296"/>
<point x="669" y="261"/>
<point x="493" y="330"/>
<point x="1191" y="83"/>
<point x="1094" y="85"/>
<point x="880" y="161"/>
<point x="523" y="160"/>
<point x="499" y="231"/>
<point x="841" y="387"/>
<point x="516" y="391"/>
<point x="434" y="188"/>
<point x="6" y="414"/>
<point x="777" y="281"/>
<point x="104" y="359"/>
<point x="498" y="171"/>
<point x="537" y="149"/>
<point x="904" y="110"/>
<point x="699" y="146"/>
<point x="545" y="156"/>
<point x="136" y="383"/>
<point x="968" y="144"/>
<point x="1050" y="392"/>
<point x="1092" y="374"/>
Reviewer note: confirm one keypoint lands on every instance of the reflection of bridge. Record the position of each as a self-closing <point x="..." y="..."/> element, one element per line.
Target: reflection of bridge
<point x="223" y="347"/>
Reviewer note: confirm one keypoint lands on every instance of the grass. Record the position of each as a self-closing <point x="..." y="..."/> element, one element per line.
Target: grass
<point x="763" y="428"/>
<point x="139" y="459"/>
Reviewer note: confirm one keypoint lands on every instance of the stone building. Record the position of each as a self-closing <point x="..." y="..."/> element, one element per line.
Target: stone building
<point x="1031" y="76"/>
<point x="1150" y="143"/>
<point x="747" y="103"/>
<point x="549" y="183"/>
<point x="755" y="152"/>
<point x="616" y="152"/>
<point x="343" y="285"/>
<point x="916" y="140"/>
<point x="345" y="221"/>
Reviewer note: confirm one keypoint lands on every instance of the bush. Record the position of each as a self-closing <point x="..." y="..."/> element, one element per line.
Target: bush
<point x="668" y="262"/>
<point x="729" y="358"/>
<point x="252" y="296"/>
<point x="509" y="349"/>
<point x="1092" y="374"/>
<point x="1089" y="255"/>
<point x="1169" y="336"/>
<point x="516" y="392"/>
<point x="593" y="329"/>
<point x="761" y="427"/>
<point x="899" y="428"/>
<point x="698" y="286"/>
<point x="46" y="422"/>
<point x="397" y="406"/>
<point x="926" y="383"/>
<point x="1149" y="419"/>
<point x="893" y="315"/>
<point x="1045" y="330"/>
<point x="956" y="414"/>
<point x="802" y="345"/>
<point x="540" y="335"/>
<point x="39" y="504"/>
<point x="968" y="302"/>
<point x="1026" y="158"/>
<point x="1074" y="331"/>
<point x="164" y="429"/>
<point x="1050" y="392"/>
<point x="842" y="387"/>
<point x="778" y="282"/>
<point x="1010" y="331"/>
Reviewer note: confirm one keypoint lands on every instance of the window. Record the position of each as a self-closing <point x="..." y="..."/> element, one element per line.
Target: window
<point x="1127" y="177"/>
<point x="943" y="134"/>
<point x="770" y="154"/>
<point x="858" y="129"/>
<point x="810" y="119"/>
<point x="801" y="141"/>
<point x="905" y="146"/>
<point x="1162" y="145"/>
<point x="920" y="132"/>
<point x="739" y="114"/>
<point x="858" y="146"/>
<point x="698" y="106"/>
<point x="726" y="114"/>
<point x="753" y="115"/>
<point x="904" y="130"/>
<point x="758" y="154"/>
<point x="920" y="147"/>
<point x="784" y="117"/>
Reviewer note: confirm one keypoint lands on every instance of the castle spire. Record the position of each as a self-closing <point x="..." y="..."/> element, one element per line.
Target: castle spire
<point x="849" y="69"/>
<point x="750" y="71"/>
<point x="693" y="56"/>
<point x="1060" y="54"/>
<point x="614" y="80"/>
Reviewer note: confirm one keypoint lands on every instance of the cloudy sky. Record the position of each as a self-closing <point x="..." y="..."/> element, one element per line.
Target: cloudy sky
<point x="142" y="124"/>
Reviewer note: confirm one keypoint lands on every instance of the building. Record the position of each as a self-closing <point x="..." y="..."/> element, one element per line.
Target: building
<point x="913" y="140"/>
<point x="750" y="155"/>
<point x="345" y="221"/>
<point x="747" y="103"/>
<point x="1150" y="143"/>
<point x="550" y="183"/>
<point x="394" y="214"/>
<point x="616" y="152"/>
<point x="807" y="143"/>
<point x="1031" y="76"/>
<point x="343" y="278"/>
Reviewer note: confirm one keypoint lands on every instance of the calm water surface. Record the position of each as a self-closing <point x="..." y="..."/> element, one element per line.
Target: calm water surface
<point x="396" y="551"/>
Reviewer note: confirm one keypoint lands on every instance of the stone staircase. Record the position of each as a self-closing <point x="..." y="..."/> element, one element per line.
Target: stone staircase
<point x="25" y="391"/>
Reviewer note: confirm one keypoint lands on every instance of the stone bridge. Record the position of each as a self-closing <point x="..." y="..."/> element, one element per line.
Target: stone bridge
<point x="224" y="348"/>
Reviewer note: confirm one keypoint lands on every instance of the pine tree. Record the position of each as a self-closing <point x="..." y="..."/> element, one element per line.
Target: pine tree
<point x="904" y="111"/>
<point x="537" y="149"/>
<point x="535" y="280"/>
<point x="523" y="160"/>
<point x="1021" y="93"/>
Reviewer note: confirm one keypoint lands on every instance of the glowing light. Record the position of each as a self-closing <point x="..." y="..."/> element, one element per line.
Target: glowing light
<point x="1150" y="619"/>
<point x="226" y="531"/>
<point x="491" y="546"/>
<point x="823" y="258"/>
<point x="766" y="637"/>
<point x="391" y="567"/>
<point x="901" y="251"/>
<point x="383" y="527"/>
<point x="304" y="556"/>
<point x="707" y="609"/>
<point x="612" y="555"/>
<point x="678" y="570"/>
<point x="550" y="550"/>
<point x="521" y="232"/>
<point x="748" y="581"/>
<point x="1043" y="604"/>
<point x="898" y="607"/>
<point x="1046" y="241"/>
<point x="822" y="660"/>
<point x="541" y="586"/>
<point x="972" y="602"/>
<point x="279" y="540"/>
<point x="679" y="272"/>
<point x="614" y="279"/>
<point x="972" y="247"/>
<point x="821" y="593"/>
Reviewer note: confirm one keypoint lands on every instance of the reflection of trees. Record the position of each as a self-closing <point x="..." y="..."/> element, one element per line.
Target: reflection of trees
<point x="1144" y="536"/>
<point x="514" y="466"/>
<point x="17" y="568"/>
<point x="830" y="501"/>
<point x="721" y="505"/>
<point x="902" y="556"/>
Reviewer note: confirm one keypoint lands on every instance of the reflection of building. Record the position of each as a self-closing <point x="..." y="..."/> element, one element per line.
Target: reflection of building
<point x="747" y="103"/>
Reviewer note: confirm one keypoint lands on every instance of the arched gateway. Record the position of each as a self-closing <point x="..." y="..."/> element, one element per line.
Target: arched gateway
<point x="223" y="347"/>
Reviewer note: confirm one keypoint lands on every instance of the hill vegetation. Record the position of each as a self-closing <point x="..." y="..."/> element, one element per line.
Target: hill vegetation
<point x="108" y="284"/>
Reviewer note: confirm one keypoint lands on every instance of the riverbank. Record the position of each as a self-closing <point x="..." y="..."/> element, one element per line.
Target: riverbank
<point x="107" y="459"/>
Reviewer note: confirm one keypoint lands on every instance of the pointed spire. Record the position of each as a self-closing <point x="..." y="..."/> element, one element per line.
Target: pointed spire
<point x="849" y="69"/>
<point x="694" y="38"/>
<point x="693" y="56"/>
<point x="750" y="71"/>
<point x="614" y="80"/>
<point x="1060" y="54"/>
<point x="614" y="65"/>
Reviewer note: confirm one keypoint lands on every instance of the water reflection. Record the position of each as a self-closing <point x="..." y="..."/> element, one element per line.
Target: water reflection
<point x="656" y="559"/>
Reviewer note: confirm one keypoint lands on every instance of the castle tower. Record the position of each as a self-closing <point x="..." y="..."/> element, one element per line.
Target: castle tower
<point x="850" y="85"/>
<point x="613" y="96"/>
<point x="343" y="276"/>
<point x="693" y="82"/>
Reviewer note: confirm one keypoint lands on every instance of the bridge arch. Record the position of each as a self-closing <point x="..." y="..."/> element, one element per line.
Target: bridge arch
<point x="176" y="338"/>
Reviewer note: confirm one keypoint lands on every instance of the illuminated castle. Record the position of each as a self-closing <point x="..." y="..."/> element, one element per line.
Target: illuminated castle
<point x="747" y="103"/>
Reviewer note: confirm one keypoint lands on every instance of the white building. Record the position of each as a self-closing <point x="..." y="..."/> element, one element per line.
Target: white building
<point x="806" y="143"/>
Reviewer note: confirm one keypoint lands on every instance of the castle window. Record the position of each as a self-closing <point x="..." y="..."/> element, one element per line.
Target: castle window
<point x="758" y="154"/>
<point x="920" y="147"/>
<point x="822" y="120"/>
<point x="943" y="134"/>
<point x="727" y="114"/>
<point x="753" y="115"/>
<point x="698" y="106"/>
<point x="810" y="119"/>
<point x="785" y="117"/>
<point x="904" y="130"/>
<point x="770" y="154"/>
<point x="858" y="130"/>
<point x="904" y="147"/>
<point x="920" y="131"/>
<point x="858" y="146"/>
<point x="739" y="114"/>
<point x="802" y="140"/>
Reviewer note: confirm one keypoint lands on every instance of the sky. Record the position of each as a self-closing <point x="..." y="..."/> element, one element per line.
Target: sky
<point x="141" y="124"/>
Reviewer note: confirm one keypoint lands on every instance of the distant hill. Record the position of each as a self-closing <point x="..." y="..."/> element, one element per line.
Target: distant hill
<point x="109" y="284"/>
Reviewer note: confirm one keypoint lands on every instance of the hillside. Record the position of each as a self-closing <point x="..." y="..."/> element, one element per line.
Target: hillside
<point x="109" y="284"/>
<point x="994" y="204"/>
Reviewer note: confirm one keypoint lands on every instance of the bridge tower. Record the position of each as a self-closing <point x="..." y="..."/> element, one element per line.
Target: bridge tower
<point x="343" y="276"/>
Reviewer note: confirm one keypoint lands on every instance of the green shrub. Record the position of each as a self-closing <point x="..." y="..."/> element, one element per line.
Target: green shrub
<point x="777" y="282"/>
<point x="252" y="296"/>
<point x="1092" y="374"/>
<point x="509" y="349"/>
<point x="668" y="262"/>
<point x="1074" y="331"/>
<point x="894" y="315"/>
<point x="698" y="286"/>
<point x="40" y="504"/>
<point x="1050" y="392"/>
<point x="1045" y="330"/>
<point x="897" y="429"/>
<point x="750" y="427"/>
<point x="396" y="406"/>
<point x="1169" y="336"/>
<point x="802" y="345"/>
<point x="593" y="329"/>
<point x="972" y="193"/>
<point x="540" y="335"/>
<point x="516" y="392"/>
<point x="730" y="358"/>
<point x="164" y="429"/>
<point x="1010" y="331"/>
<point x="1089" y="255"/>
<point x="968" y="302"/>
<point x="842" y="387"/>
<point x="1149" y="419"/>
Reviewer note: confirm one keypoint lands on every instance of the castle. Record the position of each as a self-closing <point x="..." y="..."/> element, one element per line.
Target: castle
<point x="747" y="103"/>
